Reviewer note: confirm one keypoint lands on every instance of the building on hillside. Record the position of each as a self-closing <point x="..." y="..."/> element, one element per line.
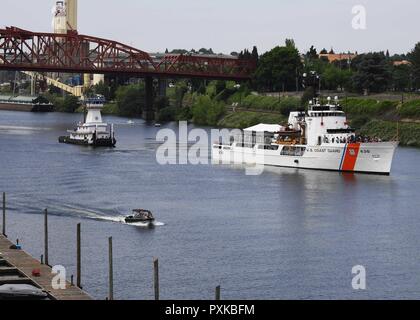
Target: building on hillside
<point x="332" y="57"/>
<point x="401" y="63"/>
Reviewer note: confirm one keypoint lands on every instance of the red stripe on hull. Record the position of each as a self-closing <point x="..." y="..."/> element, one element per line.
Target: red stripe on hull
<point x="350" y="157"/>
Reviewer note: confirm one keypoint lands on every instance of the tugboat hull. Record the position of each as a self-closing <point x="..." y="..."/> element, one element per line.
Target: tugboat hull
<point x="96" y="143"/>
<point x="93" y="131"/>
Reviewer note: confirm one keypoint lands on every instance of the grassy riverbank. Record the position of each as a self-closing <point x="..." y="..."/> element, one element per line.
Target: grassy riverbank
<point x="244" y="119"/>
<point x="408" y="133"/>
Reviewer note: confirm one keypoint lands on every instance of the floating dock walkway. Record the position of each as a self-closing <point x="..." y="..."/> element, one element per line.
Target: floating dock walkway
<point x="16" y="267"/>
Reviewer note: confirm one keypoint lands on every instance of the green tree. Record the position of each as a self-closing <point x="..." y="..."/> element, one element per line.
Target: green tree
<point x="372" y="72"/>
<point x="200" y="108"/>
<point x="206" y="111"/>
<point x="335" y="78"/>
<point x="220" y="86"/>
<point x="312" y="54"/>
<point x="167" y="114"/>
<point x="181" y="88"/>
<point x="130" y="100"/>
<point x="54" y="90"/>
<point x="103" y="89"/>
<point x="161" y="103"/>
<point x="70" y="104"/>
<point x="206" y="51"/>
<point x="290" y="43"/>
<point x="255" y="55"/>
<point x="308" y="95"/>
<point x="277" y="68"/>
<point x="198" y="85"/>
<point x="401" y="77"/>
<point x="179" y="51"/>
<point x="414" y="57"/>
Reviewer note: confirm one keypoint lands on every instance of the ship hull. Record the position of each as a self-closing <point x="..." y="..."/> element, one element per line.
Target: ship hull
<point x="97" y="143"/>
<point x="370" y="158"/>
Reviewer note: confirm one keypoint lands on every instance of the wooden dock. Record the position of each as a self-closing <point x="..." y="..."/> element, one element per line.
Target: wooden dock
<point x="16" y="267"/>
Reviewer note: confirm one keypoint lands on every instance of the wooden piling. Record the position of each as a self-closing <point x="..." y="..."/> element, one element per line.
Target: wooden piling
<point x="46" y="237"/>
<point x="156" y="278"/>
<point x="4" y="214"/>
<point x="79" y="261"/>
<point x="218" y="289"/>
<point x="111" y="272"/>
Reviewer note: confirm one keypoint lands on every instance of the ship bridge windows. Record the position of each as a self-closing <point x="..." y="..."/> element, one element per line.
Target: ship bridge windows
<point x="340" y="131"/>
<point x="326" y="114"/>
<point x="325" y="108"/>
<point x="293" y="151"/>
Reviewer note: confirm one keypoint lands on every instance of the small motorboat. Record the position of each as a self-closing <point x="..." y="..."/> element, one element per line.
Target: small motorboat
<point x="21" y="292"/>
<point x="140" y="215"/>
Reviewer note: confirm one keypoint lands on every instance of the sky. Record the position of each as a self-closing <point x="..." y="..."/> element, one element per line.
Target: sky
<point x="232" y="25"/>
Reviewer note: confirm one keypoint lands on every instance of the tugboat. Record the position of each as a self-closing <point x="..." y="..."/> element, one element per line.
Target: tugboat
<point x="140" y="215"/>
<point x="93" y="132"/>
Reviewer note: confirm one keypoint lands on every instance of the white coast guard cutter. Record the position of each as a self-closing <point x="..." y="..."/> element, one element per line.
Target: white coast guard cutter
<point x="317" y="139"/>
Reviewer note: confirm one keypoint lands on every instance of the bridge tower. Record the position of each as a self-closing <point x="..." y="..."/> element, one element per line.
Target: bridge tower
<point x="65" y="16"/>
<point x="60" y="18"/>
<point x="71" y="14"/>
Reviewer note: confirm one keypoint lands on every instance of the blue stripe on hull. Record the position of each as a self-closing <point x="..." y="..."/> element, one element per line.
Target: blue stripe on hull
<point x="342" y="158"/>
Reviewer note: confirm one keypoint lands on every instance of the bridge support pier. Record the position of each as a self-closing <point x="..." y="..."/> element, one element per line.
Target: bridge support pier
<point x="162" y="85"/>
<point x="149" y="97"/>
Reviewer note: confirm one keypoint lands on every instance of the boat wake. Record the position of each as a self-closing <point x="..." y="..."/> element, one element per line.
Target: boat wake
<point x="17" y="130"/>
<point x="69" y="210"/>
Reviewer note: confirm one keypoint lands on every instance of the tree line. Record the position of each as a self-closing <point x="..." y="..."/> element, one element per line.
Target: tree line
<point x="284" y="69"/>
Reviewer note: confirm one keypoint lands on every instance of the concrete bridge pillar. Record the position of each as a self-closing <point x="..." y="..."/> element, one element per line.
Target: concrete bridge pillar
<point x="149" y="95"/>
<point x="162" y="84"/>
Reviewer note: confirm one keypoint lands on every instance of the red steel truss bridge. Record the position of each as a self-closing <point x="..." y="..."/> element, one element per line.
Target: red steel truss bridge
<point x="23" y="50"/>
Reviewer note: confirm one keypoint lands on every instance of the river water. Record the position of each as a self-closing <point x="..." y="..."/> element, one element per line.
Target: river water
<point x="285" y="234"/>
